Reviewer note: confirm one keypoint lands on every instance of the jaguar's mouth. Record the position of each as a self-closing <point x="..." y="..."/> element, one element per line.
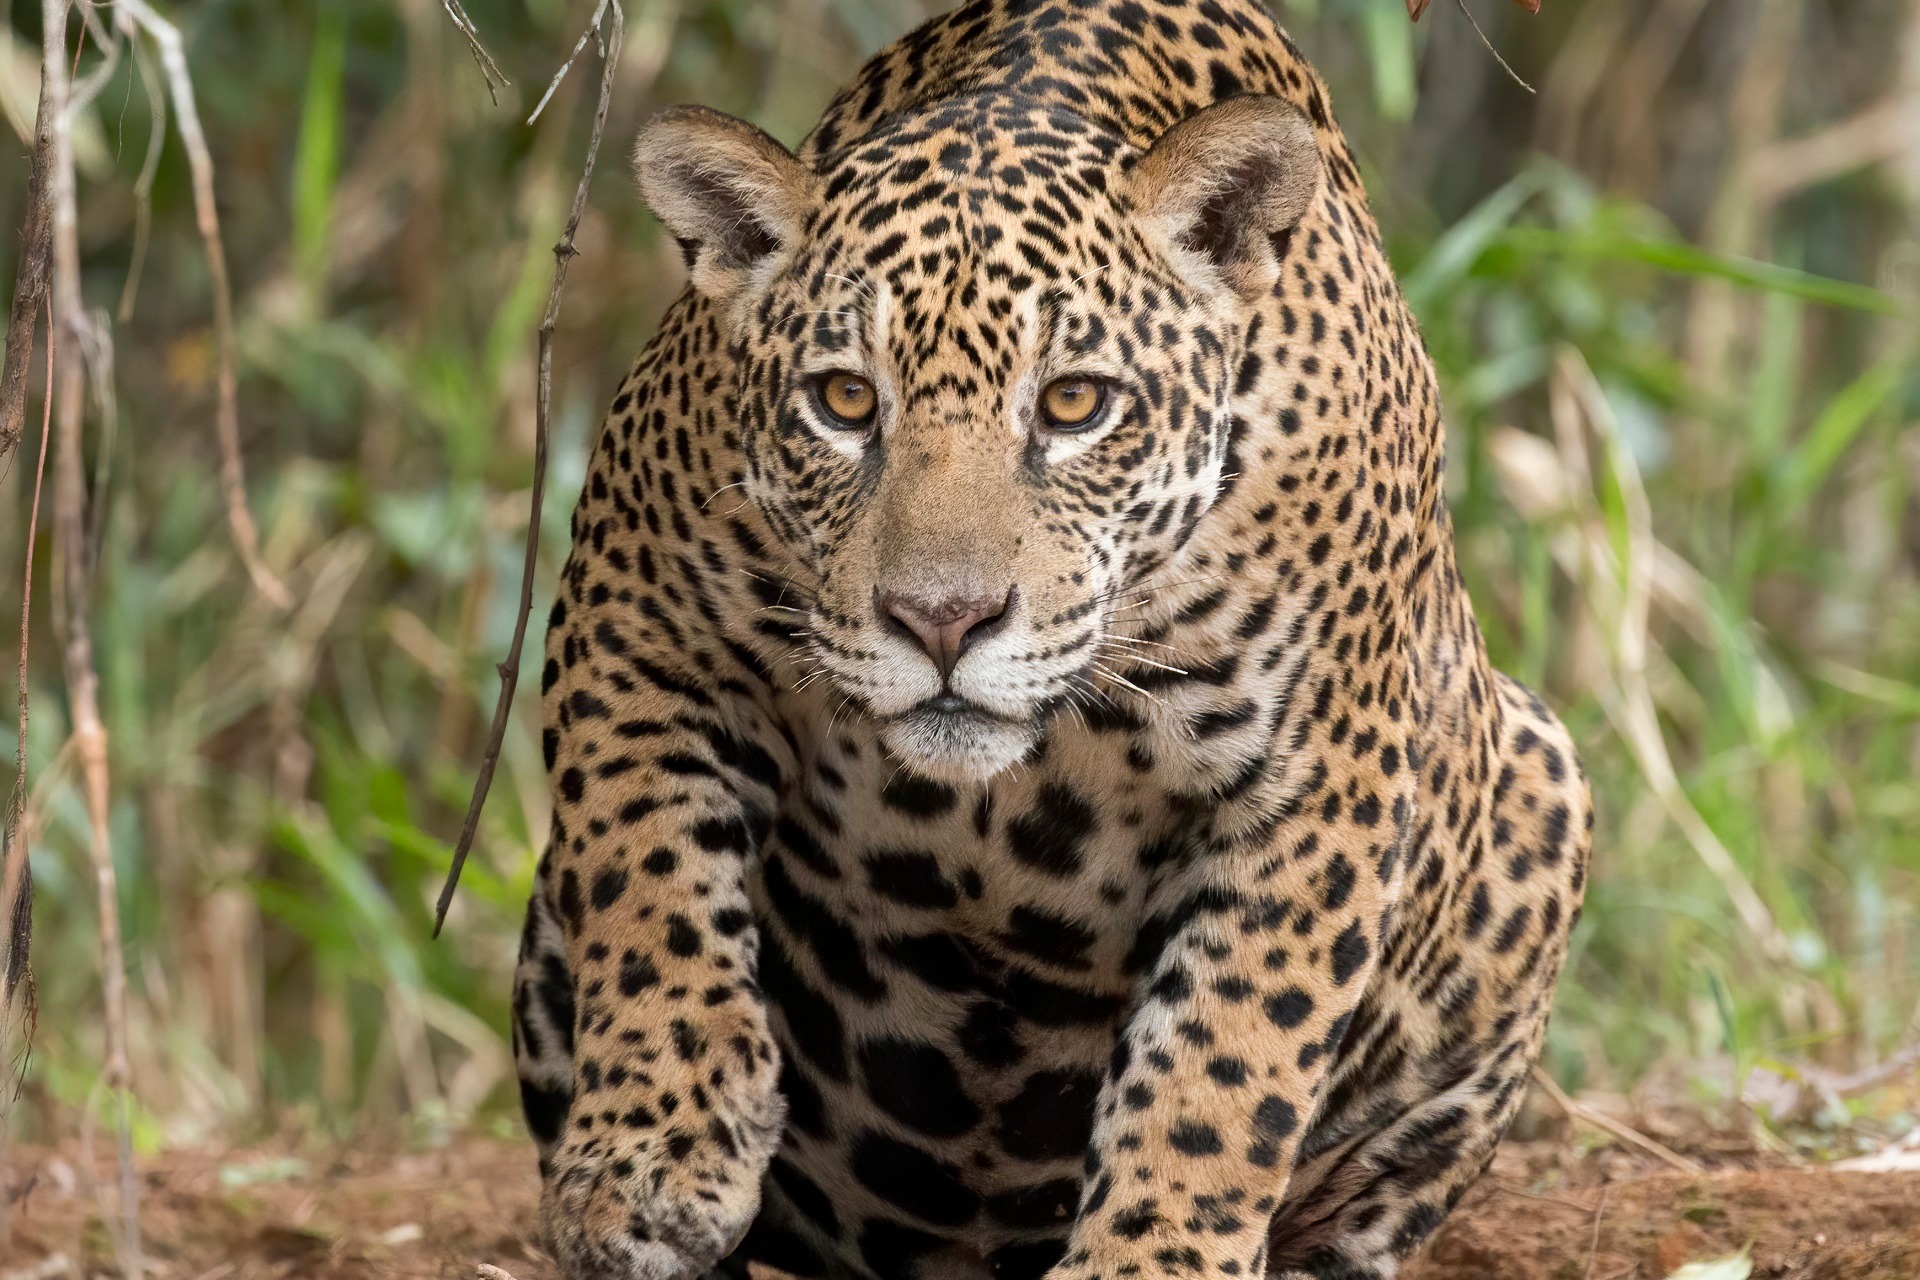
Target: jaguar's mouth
<point x="953" y="739"/>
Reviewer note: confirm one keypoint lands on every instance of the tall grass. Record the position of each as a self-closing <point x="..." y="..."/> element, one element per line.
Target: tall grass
<point x="1703" y="549"/>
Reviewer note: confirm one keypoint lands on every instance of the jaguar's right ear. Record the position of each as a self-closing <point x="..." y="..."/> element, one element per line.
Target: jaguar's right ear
<point x="731" y="195"/>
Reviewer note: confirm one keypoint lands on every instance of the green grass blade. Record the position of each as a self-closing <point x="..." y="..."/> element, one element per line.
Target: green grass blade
<point x="1801" y="472"/>
<point x="316" y="160"/>
<point x="1389" y="41"/>
<point x="1684" y="259"/>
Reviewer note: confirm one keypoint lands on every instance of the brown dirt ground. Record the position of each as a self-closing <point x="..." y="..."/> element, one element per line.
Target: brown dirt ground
<point x="1543" y="1212"/>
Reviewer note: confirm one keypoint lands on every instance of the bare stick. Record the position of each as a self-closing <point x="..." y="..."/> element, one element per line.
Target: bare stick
<point x="563" y="254"/>
<point x="66" y="342"/>
<point x="490" y="71"/>
<point x="593" y="29"/>
<point x="30" y="284"/>
<point x="135" y="16"/>
<point x="1580" y="1113"/>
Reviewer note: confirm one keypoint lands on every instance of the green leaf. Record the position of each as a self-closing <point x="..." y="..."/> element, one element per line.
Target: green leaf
<point x="1684" y="259"/>
<point x="1454" y="253"/>
<point x="1801" y="472"/>
<point x="1389" y="39"/>
<point x="316" y="160"/>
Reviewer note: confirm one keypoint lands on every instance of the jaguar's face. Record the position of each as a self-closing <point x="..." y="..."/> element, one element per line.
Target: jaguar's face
<point x="983" y="366"/>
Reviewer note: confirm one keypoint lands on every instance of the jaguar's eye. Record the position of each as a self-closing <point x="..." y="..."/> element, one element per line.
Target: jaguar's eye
<point x="1072" y="404"/>
<point x="848" y="398"/>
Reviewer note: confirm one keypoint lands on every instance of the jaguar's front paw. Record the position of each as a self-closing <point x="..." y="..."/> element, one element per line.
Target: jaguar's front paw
<point x="666" y="1208"/>
<point x="618" y="1222"/>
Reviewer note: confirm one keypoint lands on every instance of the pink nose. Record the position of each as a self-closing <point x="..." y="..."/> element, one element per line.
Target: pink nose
<point x="943" y="629"/>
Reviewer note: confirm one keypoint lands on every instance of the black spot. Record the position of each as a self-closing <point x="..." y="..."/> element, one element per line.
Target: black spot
<point x="608" y="886"/>
<point x="911" y="878"/>
<point x="917" y="1085"/>
<point x="1275" y="1117"/>
<point x="812" y="1021"/>
<point x="1290" y="1008"/>
<point x="806" y="1109"/>
<point x="914" y="1180"/>
<point x="1046" y="936"/>
<point x="921" y="797"/>
<point x="1350" y="951"/>
<point x="1049" y="836"/>
<point x="683" y="939"/>
<point x="1228" y="1070"/>
<point x="988" y="1035"/>
<point x="806" y="1196"/>
<point x="1192" y="1138"/>
<point x="546" y="1109"/>
<point x="637" y="973"/>
<point x="1051" y="1117"/>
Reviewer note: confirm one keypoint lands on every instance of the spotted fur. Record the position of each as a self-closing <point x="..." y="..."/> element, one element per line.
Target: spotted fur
<point x="1204" y="920"/>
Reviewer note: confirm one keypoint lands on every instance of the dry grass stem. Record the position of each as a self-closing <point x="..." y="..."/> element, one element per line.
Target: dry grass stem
<point x="1580" y="1113"/>
<point x="1629" y="701"/>
<point x="134" y="17"/>
<point x="490" y="72"/>
<point x="563" y="255"/>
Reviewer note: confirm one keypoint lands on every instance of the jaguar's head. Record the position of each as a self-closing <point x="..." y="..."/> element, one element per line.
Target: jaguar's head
<point x="982" y="365"/>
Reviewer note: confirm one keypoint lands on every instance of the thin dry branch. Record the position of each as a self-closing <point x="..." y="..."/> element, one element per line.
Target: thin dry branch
<point x="592" y="31"/>
<point x="490" y="71"/>
<point x="135" y="17"/>
<point x="68" y="342"/>
<point x="563" y="255"/>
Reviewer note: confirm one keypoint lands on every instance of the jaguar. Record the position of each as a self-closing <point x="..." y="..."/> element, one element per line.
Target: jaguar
<point x="1030" y="796"/>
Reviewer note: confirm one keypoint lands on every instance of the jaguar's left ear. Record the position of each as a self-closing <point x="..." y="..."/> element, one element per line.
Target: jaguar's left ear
<point x="1226" y="182"/>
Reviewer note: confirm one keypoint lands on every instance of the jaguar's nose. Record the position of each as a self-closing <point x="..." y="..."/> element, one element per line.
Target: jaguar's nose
<point x="944" y="629"/>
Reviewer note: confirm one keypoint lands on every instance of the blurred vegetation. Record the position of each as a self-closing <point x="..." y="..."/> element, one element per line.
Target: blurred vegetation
<point x="1675" y="345"/>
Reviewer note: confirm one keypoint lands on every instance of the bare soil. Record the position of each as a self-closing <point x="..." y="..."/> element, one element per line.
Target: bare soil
<point x="1544" y="1212"/>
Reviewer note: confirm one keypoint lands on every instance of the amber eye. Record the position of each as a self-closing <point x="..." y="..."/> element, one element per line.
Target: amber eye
<point x="1072" y="404"/>
<point x="848" y="398"/>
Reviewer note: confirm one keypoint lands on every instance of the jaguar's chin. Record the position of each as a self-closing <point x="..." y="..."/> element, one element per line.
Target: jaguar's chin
<point x="957" y="742"/>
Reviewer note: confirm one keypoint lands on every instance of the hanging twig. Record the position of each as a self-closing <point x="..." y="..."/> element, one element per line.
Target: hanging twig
<point x="490" y="71"/>
<point x="134" y="17"/>
<point x="143" y="185"/>
<point x="563" y="254"/>
<point x="1511" y="73"/>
